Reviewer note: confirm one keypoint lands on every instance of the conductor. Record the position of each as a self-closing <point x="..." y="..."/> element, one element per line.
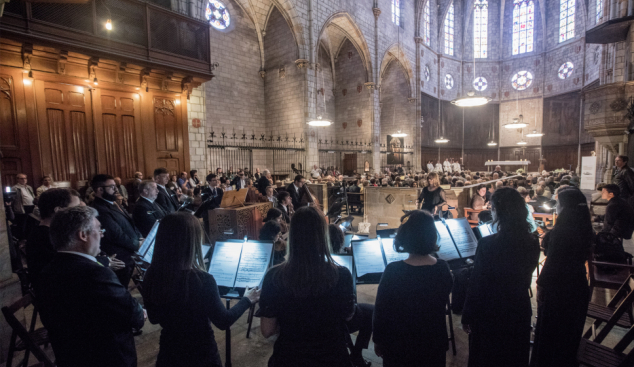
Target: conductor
<point x="433" y="196"/>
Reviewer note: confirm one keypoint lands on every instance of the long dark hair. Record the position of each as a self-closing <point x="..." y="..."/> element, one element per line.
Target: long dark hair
<point x="510" y="211"/>
<point x="309" y="270"/>
<point x="574" y="225"/>
<point x="177" y="254"/>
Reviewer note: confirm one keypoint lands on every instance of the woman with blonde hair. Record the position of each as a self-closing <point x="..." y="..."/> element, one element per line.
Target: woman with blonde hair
<point x="181" y="296"/>
<point x="433" y="196"/>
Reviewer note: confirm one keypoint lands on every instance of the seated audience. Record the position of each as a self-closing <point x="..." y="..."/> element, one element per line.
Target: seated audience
<point x="527" y="198"/>
<point x="307" y="299"/>
<point x="122" y="190"/>
<point x="272" y="231"/>
<point x="183" y="297"/>
<point x="497" y="311"/>
<point x="478" y="201"/>
<point x="47" y="183"/>
<point x="619" y="217"/>
<point x="270" y="196"/>
<point x="562" y="286"/>
<point x="146" y="211"/>
<point x="89" y="315"/>
<point x="172" y="184"/>
<point x="409" y="317"/>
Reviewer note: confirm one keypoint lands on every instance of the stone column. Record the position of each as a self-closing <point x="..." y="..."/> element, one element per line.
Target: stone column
<point x="417" y="124"/>
<point x="374" y="97"/>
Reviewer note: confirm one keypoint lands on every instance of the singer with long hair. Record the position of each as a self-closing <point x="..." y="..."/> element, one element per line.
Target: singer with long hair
<point x="307" y="299"/>
<point x="183" y="298"/>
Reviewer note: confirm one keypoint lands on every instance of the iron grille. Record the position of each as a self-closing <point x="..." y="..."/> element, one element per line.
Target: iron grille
<point x="128" y="20"/>
<point x="177" y="36"/>
<point x="75" y="16"/>
<point x="232" y="157"/>
<point x="15" y="7"/>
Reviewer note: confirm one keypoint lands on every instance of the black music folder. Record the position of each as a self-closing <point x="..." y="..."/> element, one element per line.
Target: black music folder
<point x="147" y="247"/>
<point x="236" y="264"/>
<point x="372" y="256"/>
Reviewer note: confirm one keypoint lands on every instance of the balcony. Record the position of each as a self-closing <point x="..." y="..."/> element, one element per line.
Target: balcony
<point x="143" y="33"/>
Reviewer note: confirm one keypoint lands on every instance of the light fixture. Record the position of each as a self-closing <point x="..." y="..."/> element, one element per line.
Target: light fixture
<point x="534" y="134"/>
<point x="25" y="71"/>
<point x="516" y="123"/>
<point x="492" y="143"/>
<point x="441" y="140"/>
<point x="95" y="82"/>
<point x="441" y="126"/>
<point x="522" y="142"/>
<point x="109" y="25"/>
<point x="30" y="74"/>
<point x="319" y="122"/>
<point x="399" y="134"/>
<point x="177" y="101"/>
<point x="471" y="100"/>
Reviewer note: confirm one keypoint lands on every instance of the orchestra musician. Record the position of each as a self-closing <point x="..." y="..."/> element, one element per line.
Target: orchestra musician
<point x="285" y="205"/>
<point x="212" y="197"/>
<point x="296" y="192"/>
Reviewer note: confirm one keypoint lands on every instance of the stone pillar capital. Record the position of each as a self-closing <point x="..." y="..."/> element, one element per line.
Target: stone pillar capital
<point x="376" y="12"/>
<point x="301" y="63"/>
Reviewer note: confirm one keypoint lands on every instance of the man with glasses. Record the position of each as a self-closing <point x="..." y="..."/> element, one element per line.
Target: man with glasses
<point x="23" y="205"/>
<point x="239" y="180"/>
<point x="121" y="236"/>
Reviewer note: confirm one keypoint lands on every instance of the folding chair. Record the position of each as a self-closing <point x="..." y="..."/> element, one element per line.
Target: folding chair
<point x="31" y="340"/>
<point x="594" y="354"/>
<point x="618" y="312"/>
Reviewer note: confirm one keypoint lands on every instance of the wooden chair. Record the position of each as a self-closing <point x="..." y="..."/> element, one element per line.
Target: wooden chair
<point x="594" y="354"/>
<point x="467" y="214"/>
<point x="31" y="340"/>
<point x="606" y="279"/>
<point x="618" y="312"/>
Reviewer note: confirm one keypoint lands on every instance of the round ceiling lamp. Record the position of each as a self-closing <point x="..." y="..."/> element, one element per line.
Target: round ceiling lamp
<point x="399" y="134"/>
<point x="516" y="124"/>
<point x="441" y="140"/>
<point x="319" y="122"/>
<point x="471" y="100"/>
<point x="534" y="134"/>
<point x="492" y="143"/>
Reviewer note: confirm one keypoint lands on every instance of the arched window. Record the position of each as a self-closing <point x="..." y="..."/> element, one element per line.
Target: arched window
<point x="599" y="10"/>
<point x="396" y="12"/>
<point x="449" y="32"/>
<point x="566" y="20"/>
<point x="427" y="22"/>
<point x="523" y="22"/>
<point x="480" y="30"/>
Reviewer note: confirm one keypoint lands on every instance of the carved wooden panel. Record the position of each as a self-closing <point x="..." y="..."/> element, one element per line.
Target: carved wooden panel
<point x="166" y="126"/>
<point x="10" y="168"/>
<point x="9" y="138"/>
<point x="172" y="165"/>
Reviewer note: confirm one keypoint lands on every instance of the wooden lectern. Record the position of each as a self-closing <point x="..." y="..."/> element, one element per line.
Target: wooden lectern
<point x="234" y="219"/>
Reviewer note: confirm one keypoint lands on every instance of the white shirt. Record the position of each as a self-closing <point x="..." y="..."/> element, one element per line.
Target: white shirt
<point x="89" y="257"/>
<point x="296" y="188"/>
<point x="438" y="167"/>
<point x="456" y="166"/>
<point x="27" y="198"/>
<point x="430" y="167"/>
<point x="242" y="184"/>
<point x="316" y="173"/>
<point x="151" y="201"/>
<point x="285" y="208"/>
<point x="271" y="198"/>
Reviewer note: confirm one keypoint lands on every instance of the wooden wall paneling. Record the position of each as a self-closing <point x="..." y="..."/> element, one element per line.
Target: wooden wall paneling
<point x="517" y="153"/>
<point x="14" y="136"/>
<point x="118" y="132"/>
<point x="66" y="131"/>
<point x="446" y="152"/>
<point x="565" y="156"/>
<point x="428" y="154"/>
<point x="474" y="159"/>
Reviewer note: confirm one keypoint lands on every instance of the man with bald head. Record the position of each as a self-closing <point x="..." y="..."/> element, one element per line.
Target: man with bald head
<point x="147" y="211"/>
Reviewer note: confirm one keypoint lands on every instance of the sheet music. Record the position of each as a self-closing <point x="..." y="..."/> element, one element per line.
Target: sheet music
<point x="254" y="263"/>
<point x="390" y="254"/>
<point x="463" y="236"/>
<point x="368" y="257"/>
<point x="224" y="262"/>
<point x="485" y="230"/>
<point x="206" y="249"/>
<point x="148" y="255"/>
<point x="343" y="261"/>
<point x="447" y="250"/>
<point x="149" y="240"/>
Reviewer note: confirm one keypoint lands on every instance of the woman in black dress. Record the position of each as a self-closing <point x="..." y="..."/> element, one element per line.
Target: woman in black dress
<point x="409" y="316"/>
<point x="562" y="287"/>
<point x="181" y="296"/>
<point x="497" y="311"/>
<point x="307" y="299"/>
<point x="432" y="197"/>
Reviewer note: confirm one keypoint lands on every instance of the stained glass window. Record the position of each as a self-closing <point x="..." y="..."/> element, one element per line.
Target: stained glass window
<point x="565" y="70"/>
<point x="480" y="83"/>
<point x="427" y="22"/>
<point x="566" y="20"/>
<point x="522" y="80"/>
<point x="523" y="23"/>
<point x="480" y="30"/>
<point x="396" y="12"/>
<point x="599" y="10"/>
<point x="217" y="14"/>
<point x="448" y="81"/>
<point x="427" y="73"/>
<point x="449" y="31"/>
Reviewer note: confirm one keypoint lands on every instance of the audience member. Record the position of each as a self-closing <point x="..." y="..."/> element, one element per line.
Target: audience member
<point x="212" y="198"/>
<point x="121" y="236"/>
<point x="412" y="298"/>
<point x="432" y="198"/>
<point x="183" y="297"/>
<point x="478" y="201"/>
<point x="498" y="287"/>
<point x="88" y="314"/>
<point x="270" y="196"/>
<point x="146" y="211"/>
<point x="23" y="205"/>
<point x="122" y="190"/>
<point x="624" y="177"/>
<point x="166" y="198"/>
<point x="307" y="299"/>
<point x="527" y="198"/>
<point x="264" y="181"/>
<point x="619" y="217"/>
<point x="562" y="286"/>
<point x="47" y="183"/>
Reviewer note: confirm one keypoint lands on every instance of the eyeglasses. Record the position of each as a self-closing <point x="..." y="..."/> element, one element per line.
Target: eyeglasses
<point x="109" y="187"/>
<point x="102" y="230"/>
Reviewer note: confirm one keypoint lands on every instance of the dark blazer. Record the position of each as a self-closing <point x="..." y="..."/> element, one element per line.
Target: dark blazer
<point x="619" y="218"/>
<point x="624" y="178"/>
<point x="167" y="200"/>
<point x="210" y="201"/>
<point x="121" y="236"/>
<point x="285" y="215"/>
<point x="236" y="182"/>
<point x="261" y="184"/>
<point x="145" y="214"/>
<point x="295" y="196"/>
<point x="89" y="315"/>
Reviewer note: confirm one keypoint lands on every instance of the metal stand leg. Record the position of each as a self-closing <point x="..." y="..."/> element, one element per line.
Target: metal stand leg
<point x="250" y="320"/>
<point x="228" y="339"/>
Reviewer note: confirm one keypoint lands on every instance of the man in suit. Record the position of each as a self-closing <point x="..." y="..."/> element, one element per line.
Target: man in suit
<point x="212" y="197"/>
<point x="264" y="181"/>
<point x="239" y="181"/>
<point x="147" y="211"/>
<point x="121" y="236"/>
<point x="296" y="190"/>
<point x="89" y="315"/>
<point x="284" y="204"/>
<point x="166" y="198"/>
<point x="23" y="205"/>
<point x="619" y="217"/>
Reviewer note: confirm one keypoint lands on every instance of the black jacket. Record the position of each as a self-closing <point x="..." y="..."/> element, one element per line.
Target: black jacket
<point x="89" y="315"/>
<point x="210" y="201"/>
<point x="624" y="178"/>
<point x="261" y="184"/>
<point x="619" y="218"/>
<point x="145" y="214"/>
<point x="121" y="236"/>
<point x="167" y="200"/>
<point x="236" y="182"/>
<point x="295" y="196"/>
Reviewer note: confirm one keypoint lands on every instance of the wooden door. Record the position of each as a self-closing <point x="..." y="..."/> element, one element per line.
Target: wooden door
<point x="118" y="137"/>
<point x="65" y="131"/>
<point x="349" y="164"/>
<point x="14" y="140"/>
